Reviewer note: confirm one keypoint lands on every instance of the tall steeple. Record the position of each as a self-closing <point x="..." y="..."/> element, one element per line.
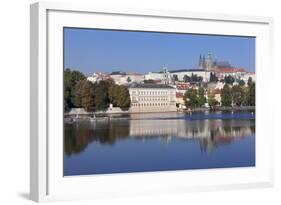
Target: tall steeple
<point x="203" y="63"/>
<point x="200" y="64"/>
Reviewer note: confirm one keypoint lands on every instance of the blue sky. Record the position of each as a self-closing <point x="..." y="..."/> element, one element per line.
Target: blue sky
<point x="93" y="50"/>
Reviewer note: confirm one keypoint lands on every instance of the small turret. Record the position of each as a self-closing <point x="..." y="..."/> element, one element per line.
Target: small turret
<point x="165" y="75"/>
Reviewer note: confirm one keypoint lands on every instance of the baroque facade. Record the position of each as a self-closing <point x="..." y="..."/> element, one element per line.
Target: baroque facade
<point x="152" y="98"/>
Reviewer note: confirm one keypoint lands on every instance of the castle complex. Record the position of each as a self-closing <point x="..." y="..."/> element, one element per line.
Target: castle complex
<point x="210" y="64"/>
<point x="161" y="91"/>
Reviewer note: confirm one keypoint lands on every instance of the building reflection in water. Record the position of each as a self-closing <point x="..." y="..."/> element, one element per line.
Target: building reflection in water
<point x="209" y="133"/>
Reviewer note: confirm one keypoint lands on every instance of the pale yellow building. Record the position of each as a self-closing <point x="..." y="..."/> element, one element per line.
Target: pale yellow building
<point x="152" y="98"/>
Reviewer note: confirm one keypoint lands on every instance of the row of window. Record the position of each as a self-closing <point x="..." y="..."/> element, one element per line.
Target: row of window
<point x="155" y="92"/>
<point x="148" y="104"/>
<point x="150" y="99"/>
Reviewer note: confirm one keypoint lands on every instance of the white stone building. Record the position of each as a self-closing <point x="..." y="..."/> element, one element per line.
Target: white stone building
<point x="135" y="77"/>
<point x="96" y="77"/>
<point x="154" y="76"/>
<point x="189" y="72"/>
<point x="152" y="98"/>
<point x="121" y="78"/>
<point x="237" y="73"/>
<point x="158" y="76"/>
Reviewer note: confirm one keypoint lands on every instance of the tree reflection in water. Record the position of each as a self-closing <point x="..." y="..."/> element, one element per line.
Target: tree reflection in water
<point x="210" y="133"/>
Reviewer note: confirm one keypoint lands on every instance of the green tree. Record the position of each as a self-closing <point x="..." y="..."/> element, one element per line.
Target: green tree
<point x="67" y="89"/>
<point x="241" y="82"/>
<point x="77" y="94"/>
<point x="149" y="81"/>
<point x="119" y="96"/>
<point x="211" y="100"/>
<point x="129" y="79"/>
<point x="123" y="99"/>
<point x="84" y="94"/>
<point x="175" y="78"/>
<point x="229" y="79"/>
<point x="213" y="77"/>
<point x="101" y="98"/>
<point x="201" y="97"/>
<point x="70" y="78"/>
<point x="200" y="79"/>
<point x="226" y="98"/>
<point x="67" y="104"/>
<point x="238" y="95"/>
<point x="250" y="81"/>
<point x="186" y="78"/>
<point x="251" y="94"/>
<point x="190" y="98"/>
<point x="113" y="94"/>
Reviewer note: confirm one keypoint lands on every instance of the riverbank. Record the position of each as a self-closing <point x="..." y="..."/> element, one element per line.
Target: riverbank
<point x="103" y="116"/>
<point x="242" y="108"/>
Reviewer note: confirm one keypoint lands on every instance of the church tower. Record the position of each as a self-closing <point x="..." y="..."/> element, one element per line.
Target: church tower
<point x="204" y="63"/>
<point x="200" y="63"/>
<point x="209" y="62"/>
<point x="165" y="75"/>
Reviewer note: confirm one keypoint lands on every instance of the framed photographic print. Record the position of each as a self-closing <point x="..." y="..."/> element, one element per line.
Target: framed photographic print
<point x="127" y="102"/>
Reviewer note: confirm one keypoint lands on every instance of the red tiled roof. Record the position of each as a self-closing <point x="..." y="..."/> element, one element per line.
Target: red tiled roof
<point x="240" y="70"/>
<point x="179" y="95"/>
<point x="183" y="86"/>
<point x="230" y="70"/>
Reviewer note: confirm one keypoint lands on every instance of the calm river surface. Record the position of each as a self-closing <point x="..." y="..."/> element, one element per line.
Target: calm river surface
<point x="159" y="142"/>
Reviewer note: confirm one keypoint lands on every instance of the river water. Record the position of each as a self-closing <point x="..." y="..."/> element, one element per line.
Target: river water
<point x="159" y="142"/>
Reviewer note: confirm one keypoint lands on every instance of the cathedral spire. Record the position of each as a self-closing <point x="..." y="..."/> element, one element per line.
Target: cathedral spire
<point x="203" y="63"/>
<point x="209" y="61"/>
<point x="200" y="62"/>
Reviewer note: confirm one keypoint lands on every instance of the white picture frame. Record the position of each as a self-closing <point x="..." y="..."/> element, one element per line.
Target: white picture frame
<point x="46" y="179"/>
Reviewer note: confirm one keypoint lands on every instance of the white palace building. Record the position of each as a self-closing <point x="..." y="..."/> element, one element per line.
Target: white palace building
<point x="152" y="98"/>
